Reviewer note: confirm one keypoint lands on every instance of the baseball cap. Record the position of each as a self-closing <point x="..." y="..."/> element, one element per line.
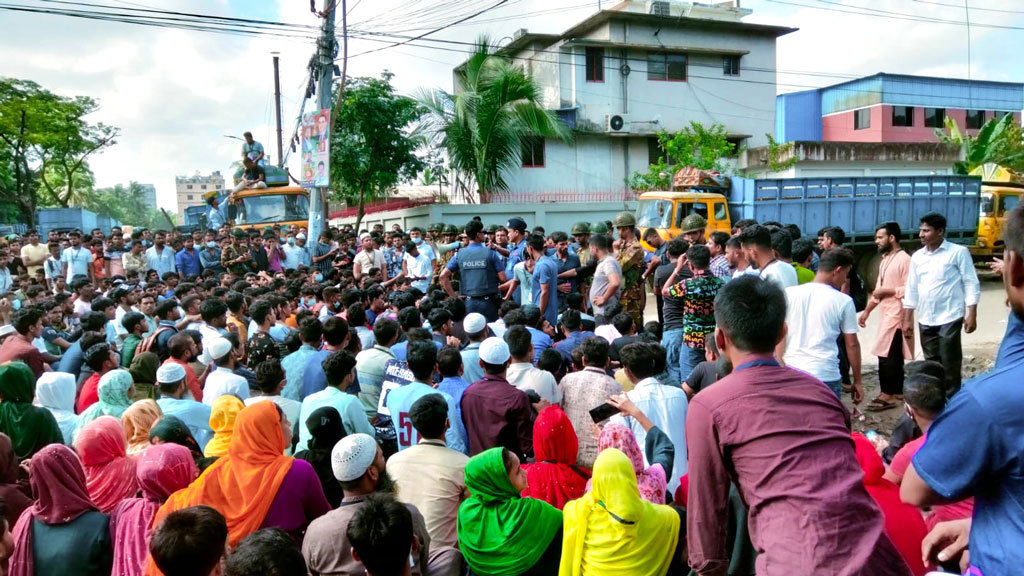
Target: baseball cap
<point x="516" y="224"/>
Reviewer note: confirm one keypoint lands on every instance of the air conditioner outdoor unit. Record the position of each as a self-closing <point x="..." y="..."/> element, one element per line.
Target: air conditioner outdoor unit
<point x="658" y="8"/>
<point x="618" y="124"/>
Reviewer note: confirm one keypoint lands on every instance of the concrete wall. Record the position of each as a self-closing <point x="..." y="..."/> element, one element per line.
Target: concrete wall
<point x="595" y="163"/>
<point x="551" y="216"/>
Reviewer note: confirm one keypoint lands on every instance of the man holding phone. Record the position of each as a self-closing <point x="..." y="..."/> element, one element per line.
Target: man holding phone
<point x="583" y="391"/>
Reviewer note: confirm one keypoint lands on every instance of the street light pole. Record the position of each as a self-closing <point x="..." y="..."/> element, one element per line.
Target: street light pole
<point x="325" y="61"/>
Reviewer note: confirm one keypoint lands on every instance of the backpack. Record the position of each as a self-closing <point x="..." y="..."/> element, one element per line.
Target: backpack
<point x="148" y="344"/>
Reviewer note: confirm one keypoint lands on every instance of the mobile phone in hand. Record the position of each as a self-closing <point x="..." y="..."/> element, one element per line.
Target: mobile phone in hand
<point x="603" y="412"/>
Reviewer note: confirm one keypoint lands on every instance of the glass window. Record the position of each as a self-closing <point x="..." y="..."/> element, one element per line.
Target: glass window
<point x="595" y="64"/>
<point x="272" y="208"/>
<point x="654" y="151"/>
<point x="654" y="213"/>
<point x="934" y="117"/>
<point x="720" y="211"/>
<point x="975" y="118"/>
<point x="731" y="65"/>
<point x="685" y="207"/>
<point x="533" y="152"/>
<point x="987" y="205"/>
<point x="1008" y="202"/>
<point x="666" y="67"/>
<point x="189" y="197"/>
<point x="202" y="186"/>
<point x="188" y="187"/>
<point x="862" y="119"/>
<point x="903" y="116"/>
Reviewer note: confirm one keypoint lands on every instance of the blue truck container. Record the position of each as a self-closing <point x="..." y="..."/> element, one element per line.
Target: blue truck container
<point x="66" y="219"/>
<point x="858" y="205"/>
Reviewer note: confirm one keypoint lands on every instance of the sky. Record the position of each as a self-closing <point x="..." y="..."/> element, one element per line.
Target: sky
<point x="178" y="95"/>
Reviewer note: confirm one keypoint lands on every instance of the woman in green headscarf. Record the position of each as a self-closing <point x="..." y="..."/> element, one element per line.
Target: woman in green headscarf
<point x="143" y="371"/>
<point x="115" y="392"/>
<point x="30" y="427"/>
<point x="501" y="533"/>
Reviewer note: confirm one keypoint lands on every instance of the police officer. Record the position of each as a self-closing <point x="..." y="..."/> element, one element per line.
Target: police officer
<point x="516" y="248"/>
<point x="480" y="273"/>
<point x="631" y="257"/>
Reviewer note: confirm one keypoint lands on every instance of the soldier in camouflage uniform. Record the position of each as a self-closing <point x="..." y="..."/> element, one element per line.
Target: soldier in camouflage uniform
<point x="235" y="257"/>
<point x="631" y="257"/>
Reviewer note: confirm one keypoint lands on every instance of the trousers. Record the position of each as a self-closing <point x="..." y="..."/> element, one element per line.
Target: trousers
<point x="890" y="369"/>
<point x="942" y="344"/>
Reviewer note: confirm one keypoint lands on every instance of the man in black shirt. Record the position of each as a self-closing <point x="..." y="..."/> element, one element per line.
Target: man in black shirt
<point x="252" y="177"/>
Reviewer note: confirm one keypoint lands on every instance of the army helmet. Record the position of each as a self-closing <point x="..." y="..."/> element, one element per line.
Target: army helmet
<point x="580" y="228"/>
<point x="599" y="228"/>
<point x="624" y="220"/>
<point x="492" y="228"/>
<point x="694" y="223"/>
<point x="436" y="227"/>
<point x="451" y="229"/>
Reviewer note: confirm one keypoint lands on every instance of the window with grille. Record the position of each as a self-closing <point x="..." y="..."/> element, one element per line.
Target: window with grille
<point x="666" y="67"/>
<point x="533" y="152"/>
<point x="595" y="64"/>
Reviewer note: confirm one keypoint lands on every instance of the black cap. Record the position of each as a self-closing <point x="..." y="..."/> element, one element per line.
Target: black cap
<point x="516" y="224"/>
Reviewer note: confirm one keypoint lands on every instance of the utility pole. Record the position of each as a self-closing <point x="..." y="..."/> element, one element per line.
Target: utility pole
<point x="325" y="63"/>
<point x="277" y="111"/>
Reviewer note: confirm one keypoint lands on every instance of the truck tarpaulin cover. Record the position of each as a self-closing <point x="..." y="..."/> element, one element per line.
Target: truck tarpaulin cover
<point x="691" y="177"/>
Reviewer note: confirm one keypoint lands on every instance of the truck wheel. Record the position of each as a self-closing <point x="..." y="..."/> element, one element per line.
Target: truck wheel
<point x="867" y="268"/>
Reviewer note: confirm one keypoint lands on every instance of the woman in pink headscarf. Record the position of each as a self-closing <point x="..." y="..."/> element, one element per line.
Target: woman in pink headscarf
<point x="109" y="473"/>
<point x="64" y="518"/>
<point x="651" y="481"/>
<point x="161" y="470"/>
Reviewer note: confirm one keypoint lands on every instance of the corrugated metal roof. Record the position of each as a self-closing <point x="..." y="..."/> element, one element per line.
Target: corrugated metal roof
<point x="904" y="90"/>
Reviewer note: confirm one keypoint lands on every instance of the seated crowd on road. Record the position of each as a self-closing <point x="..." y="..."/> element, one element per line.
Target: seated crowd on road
<point x="498" y="400"/>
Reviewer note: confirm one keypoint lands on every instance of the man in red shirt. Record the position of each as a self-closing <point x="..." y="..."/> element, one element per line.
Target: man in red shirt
<point x="28" y="323"/>
<point x="100" y="358"/>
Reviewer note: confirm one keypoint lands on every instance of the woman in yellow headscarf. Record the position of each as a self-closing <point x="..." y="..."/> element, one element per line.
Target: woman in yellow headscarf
<point x="612" y="531"/>
<point x="222" y="422"/>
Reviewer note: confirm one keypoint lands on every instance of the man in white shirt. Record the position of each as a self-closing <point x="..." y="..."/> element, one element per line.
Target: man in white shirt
<point x="195" y="415"/>
<point x="757" y="243"/>
<point x="665" y="406"/>
<point x="817" y="313"/>
<point x="941" y="284"/>
<point x="606" y="288"/>
<point x="369" y="257"/>
<point x="522" y="373"/>
<point x="417" y="267"/>
<point x="214" y="326"/>
<point x="223" y="380"/>
<point x="77" y="259"/>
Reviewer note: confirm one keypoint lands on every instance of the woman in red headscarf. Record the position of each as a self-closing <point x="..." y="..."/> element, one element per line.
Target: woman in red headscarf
<point x="109" y="473"/>
<point x="255" y="485"/>
<point x="555" y="478"/>
<point x="903" y="523"/>
<point x="63" y="517"/>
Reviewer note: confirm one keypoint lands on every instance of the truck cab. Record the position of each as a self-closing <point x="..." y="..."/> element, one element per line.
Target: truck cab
<point x="259" y="207"/>
<point x="997" y="200"/>
<point x="693" y="192"/>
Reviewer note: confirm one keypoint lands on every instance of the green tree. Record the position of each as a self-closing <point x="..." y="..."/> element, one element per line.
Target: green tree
<point x="999" y="141"/>
<point x="123" y="203"/>
<point x="483" y="124"/>
<point x="371" y="147"/>
<point x="696" y="145"/>
<point x="45" y="145"/>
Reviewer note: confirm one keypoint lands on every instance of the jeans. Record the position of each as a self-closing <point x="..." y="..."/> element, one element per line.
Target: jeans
<point x="484" y="306"/>
<point x="688" y="360"/>
<point x="942" y="344"/>
<point x="672" y="342"/>
<point x="837" y="387"/>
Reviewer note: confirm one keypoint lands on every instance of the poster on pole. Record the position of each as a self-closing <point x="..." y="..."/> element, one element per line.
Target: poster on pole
<point x="316" y="147"/>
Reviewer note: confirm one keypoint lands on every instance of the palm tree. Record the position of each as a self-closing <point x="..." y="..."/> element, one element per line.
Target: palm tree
<point x="481" y="127"/>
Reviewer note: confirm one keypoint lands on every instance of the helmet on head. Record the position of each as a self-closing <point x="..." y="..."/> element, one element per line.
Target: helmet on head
<point x="451" y="229"/>
<point x="436" y="227"/>
<point x="694" y="223"/>
<point x="580" y="228"/>
<point x="598" y="228"/>
<point x="624" y="220"/>
<point x="492" y="228"/>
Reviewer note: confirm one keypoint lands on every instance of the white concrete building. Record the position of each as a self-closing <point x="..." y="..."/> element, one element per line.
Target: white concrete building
<point x="189" y="190"/>
<point x="626" y="73"/>
<point x="149" y="195"/>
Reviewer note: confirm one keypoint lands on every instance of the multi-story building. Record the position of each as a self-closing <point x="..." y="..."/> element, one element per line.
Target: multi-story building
<point x="893" y="108"/>
<point x="191" y="189"/>
<point x="638" y="68"/>
<point x="148" y="195"/>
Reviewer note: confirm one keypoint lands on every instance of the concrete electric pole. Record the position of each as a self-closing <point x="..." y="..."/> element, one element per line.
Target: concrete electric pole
<point x="325" y="69"/>
<point x="277" y="112"/>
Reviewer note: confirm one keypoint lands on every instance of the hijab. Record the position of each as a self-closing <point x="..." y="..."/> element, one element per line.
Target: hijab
<point x="113" y="398"/>
<point x="172" y="430"/>
<point x="500" y="532"/>
<point x="903" y="523"/>
<point x="10" y="491"/>
<point x="612" y="531"/>
<point x="161" y="470"/>
<point x="29" y="427"/>
<point x="555" y="478"/>
<point x="137" y="421"/>
<point x="325" y="429"/>
<point x="222" y="421"/>
<point x="241" y="485"/>
<point x="58" y="482"/>
<point x="55" y="391"/>
<point x="109" y="473"/>
<point x="652" y="481"/>
<point x="143" y="371"/>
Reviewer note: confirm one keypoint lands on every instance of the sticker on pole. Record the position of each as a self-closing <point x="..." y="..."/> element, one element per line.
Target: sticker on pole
<point x="316" y="148"/>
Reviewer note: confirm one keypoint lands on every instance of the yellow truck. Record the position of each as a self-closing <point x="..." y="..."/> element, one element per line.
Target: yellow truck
<point x="999" y="195"/>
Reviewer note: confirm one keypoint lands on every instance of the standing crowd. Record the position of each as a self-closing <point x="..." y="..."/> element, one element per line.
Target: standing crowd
<point x="491" y="401"/>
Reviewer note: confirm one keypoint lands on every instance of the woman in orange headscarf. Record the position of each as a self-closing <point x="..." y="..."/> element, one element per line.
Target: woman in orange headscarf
<point x="255" y="485"/>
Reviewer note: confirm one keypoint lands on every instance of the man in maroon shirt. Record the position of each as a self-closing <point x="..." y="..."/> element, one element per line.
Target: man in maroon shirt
<point x="784" y="439"/>
<point x="28" y="322"/>
<point x="497" y="413"/>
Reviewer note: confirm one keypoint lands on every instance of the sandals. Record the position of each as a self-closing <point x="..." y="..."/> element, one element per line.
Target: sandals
<point x="878" y="405"/>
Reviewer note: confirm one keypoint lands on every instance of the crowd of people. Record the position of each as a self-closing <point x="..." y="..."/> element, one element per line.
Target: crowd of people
<point x="495" y="400"/>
